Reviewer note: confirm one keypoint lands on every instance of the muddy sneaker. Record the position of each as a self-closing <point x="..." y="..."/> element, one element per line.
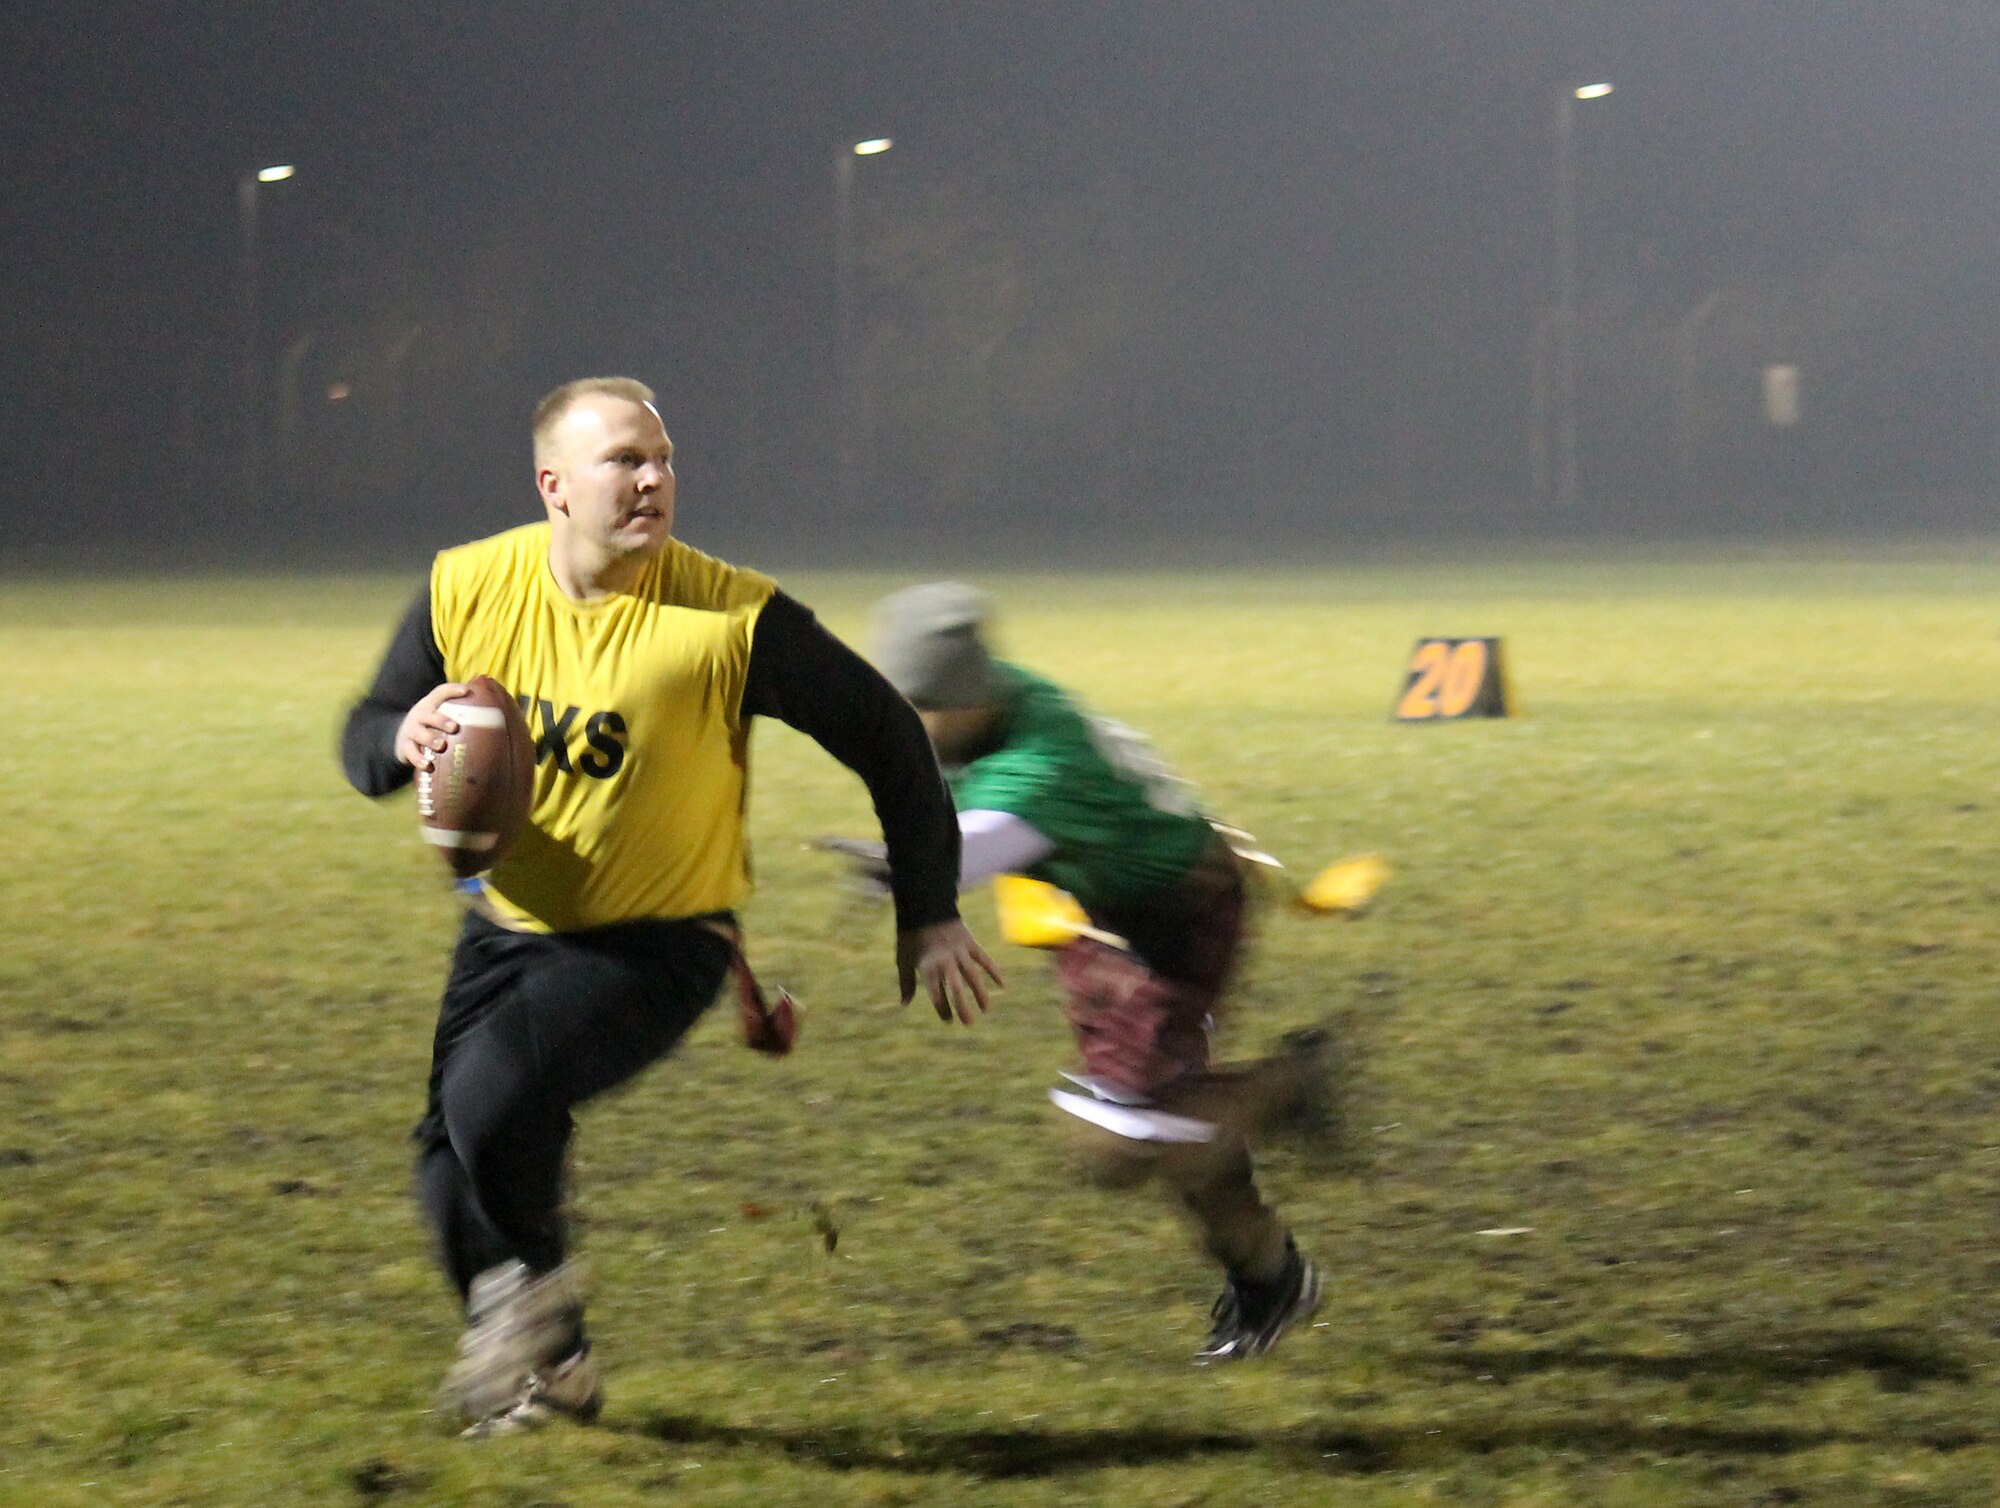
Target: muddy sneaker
<point x="570" y="1389"/>
<point x="519" y="1325"/>
<point x="1249" y="1318"/>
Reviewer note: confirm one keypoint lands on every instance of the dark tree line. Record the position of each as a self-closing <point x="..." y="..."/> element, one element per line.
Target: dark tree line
<point x="1047" y="357"/>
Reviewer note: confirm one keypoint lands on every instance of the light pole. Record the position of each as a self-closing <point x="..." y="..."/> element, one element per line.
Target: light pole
<point x="845" y="386"/>
<point x="250" y="388"/>
<point x="288" y="397"/>
<point x="1540" y="488"/>
<point x="1565" y="331"/>
<point x="1687" y="392"/>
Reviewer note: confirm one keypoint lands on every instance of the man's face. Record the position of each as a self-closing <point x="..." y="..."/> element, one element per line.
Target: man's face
<point x="957" y="733"/>
<point x="608" y="468"/>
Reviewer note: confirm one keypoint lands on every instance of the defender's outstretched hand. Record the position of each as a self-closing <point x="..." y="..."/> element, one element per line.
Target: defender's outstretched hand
<point x="949" y="961"/>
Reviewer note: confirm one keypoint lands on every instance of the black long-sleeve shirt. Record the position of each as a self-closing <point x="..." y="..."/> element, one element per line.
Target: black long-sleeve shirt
<point x="798" y="673"/>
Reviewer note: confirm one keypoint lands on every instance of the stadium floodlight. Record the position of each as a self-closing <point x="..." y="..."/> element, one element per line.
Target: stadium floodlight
<point x="250" y="389"/>
<point x="1565" y="310"/>
<point x="848" y="393"/>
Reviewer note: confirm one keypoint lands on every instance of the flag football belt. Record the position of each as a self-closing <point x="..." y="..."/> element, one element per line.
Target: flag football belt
<point x="769" y="1025"/>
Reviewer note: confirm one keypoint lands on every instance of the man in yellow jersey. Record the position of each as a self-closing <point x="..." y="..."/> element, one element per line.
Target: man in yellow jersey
<point x="609" y="926"/>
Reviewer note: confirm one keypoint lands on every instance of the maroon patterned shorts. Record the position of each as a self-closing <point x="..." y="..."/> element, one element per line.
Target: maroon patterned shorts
<point x="1142" y="1017"/>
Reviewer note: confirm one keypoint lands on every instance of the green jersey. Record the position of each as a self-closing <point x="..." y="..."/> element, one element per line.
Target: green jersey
<point x="1123" y="824"/>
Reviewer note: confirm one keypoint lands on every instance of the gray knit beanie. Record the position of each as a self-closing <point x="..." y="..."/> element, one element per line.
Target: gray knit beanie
<point x="928" y="645"/>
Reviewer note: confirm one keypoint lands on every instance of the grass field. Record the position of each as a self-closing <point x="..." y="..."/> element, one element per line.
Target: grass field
<point x="1686" y="975"/>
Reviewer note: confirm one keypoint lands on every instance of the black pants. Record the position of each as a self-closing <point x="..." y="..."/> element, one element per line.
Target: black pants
<point x="532" y="1025"/>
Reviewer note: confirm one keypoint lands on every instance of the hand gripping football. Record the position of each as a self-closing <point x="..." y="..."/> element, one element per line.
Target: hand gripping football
<point x="473" y="800"/>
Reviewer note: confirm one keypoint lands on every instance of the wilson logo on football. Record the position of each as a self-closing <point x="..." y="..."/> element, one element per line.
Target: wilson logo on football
<point x="476" y="799"/>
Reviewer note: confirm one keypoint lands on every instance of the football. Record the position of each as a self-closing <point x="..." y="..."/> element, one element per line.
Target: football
<point x="473" y="800"/>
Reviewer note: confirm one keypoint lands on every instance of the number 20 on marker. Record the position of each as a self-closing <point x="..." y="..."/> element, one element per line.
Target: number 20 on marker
<point x="1452" y="678"/>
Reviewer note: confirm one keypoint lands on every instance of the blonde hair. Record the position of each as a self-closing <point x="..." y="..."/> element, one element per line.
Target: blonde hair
<point x="549" y="412"/>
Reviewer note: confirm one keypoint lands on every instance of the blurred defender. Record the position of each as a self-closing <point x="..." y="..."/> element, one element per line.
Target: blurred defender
<point x="609" y="926"/>
<point x="1084" y="804"/>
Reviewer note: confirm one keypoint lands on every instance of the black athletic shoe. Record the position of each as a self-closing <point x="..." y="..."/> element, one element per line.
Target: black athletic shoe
<point x="1249" y="1318"/>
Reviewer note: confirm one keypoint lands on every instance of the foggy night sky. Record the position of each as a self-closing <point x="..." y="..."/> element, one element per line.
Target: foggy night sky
<point x="1334" y="221"/>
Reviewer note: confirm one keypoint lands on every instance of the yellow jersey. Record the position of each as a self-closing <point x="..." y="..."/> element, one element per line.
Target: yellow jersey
<point x="635" y="701"/>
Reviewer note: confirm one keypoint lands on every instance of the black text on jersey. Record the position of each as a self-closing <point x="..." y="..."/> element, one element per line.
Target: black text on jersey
<point x="603" y="732"/>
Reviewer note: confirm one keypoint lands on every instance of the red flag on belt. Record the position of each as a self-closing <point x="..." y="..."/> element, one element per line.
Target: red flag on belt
<point x="770" y="1026"/>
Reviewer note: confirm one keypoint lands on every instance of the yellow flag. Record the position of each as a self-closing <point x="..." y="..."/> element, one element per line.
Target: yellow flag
<point x="1035" y="915"/>
<point x="1347" y="886"/>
